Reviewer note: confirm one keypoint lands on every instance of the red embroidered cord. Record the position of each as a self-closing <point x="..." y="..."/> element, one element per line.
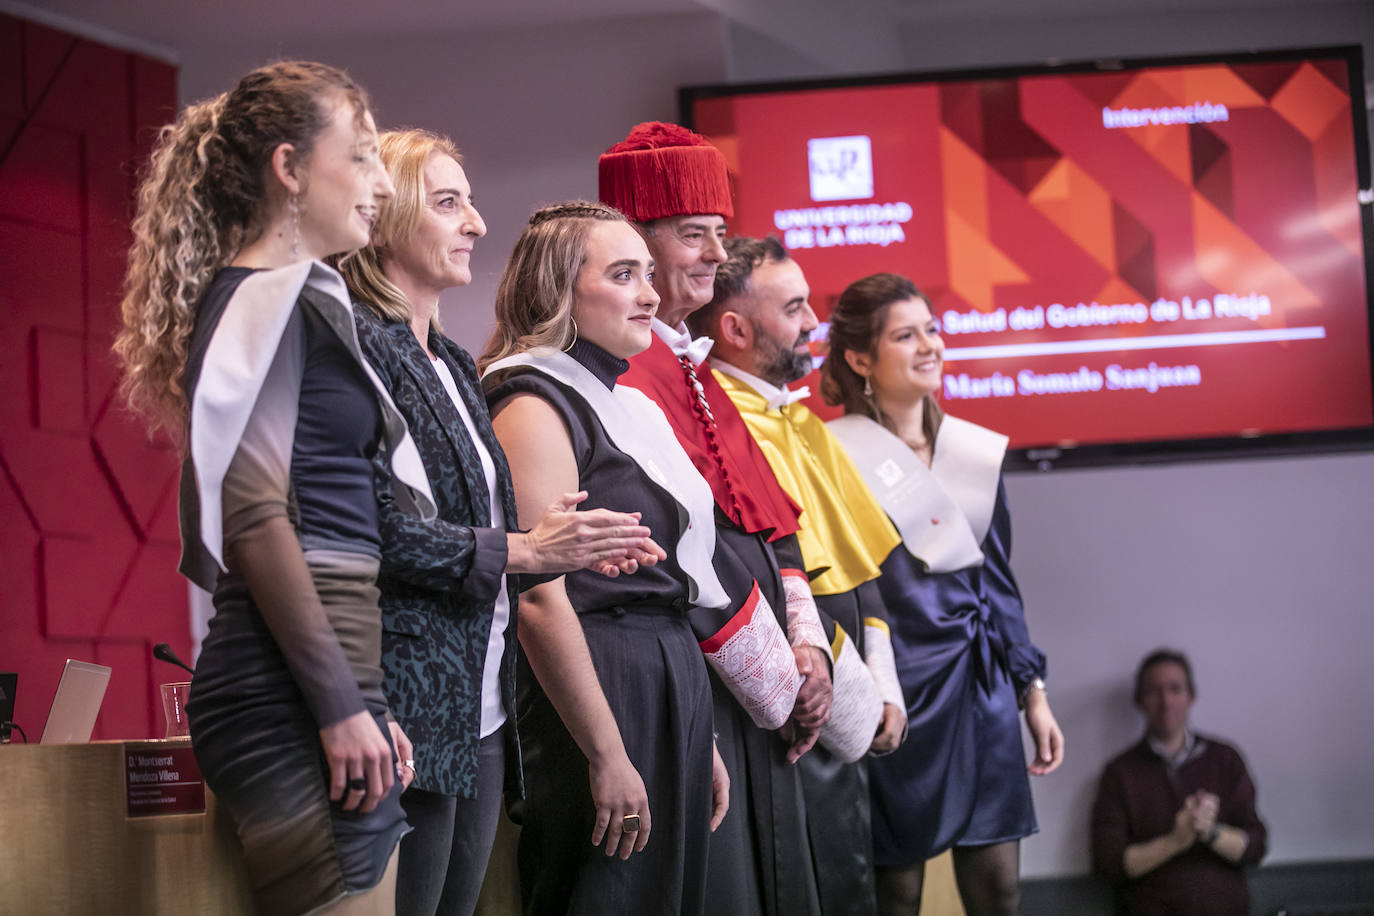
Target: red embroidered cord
<point x="708" y="423"/>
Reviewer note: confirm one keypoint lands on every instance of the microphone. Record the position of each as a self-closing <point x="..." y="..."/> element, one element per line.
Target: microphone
<point x="164" y="652"/>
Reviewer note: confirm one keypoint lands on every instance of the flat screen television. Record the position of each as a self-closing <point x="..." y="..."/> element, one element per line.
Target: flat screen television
<point x="1130" y="260"/>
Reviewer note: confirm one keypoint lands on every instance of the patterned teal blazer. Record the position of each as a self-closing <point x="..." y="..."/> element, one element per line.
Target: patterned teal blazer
<point x="439" y="579"/>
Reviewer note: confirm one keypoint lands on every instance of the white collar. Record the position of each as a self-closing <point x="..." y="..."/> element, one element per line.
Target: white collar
<point x="1192" y="746"/>
<point x="681" y="342"/>
<point x="777" y="398"/>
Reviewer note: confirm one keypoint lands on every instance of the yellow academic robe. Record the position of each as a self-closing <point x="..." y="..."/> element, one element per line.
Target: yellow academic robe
<point x="843" y="529"/>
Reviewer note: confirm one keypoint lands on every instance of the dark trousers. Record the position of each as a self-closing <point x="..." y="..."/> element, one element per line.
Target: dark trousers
<point x="444" y="859"/>
<point x="837" y="804"/>
<point x="654" y="678"/>
<point x="759" y="861"/>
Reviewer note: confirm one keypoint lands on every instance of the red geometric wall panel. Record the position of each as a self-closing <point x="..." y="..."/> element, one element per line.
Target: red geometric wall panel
<point x="88" y="539"/>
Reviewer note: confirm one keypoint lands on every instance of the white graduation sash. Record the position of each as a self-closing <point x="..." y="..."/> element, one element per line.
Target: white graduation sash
<point x="637" y="427"/>
<point x="237" y="360"/>
<point x="942" y="512"/>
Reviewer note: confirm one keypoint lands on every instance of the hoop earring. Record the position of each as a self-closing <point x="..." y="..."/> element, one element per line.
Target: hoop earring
<point x="574" y="334"/>
<point x="294" y="205"/>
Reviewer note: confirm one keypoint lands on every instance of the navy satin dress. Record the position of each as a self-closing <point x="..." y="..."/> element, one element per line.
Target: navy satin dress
<point x="963" y="657"/>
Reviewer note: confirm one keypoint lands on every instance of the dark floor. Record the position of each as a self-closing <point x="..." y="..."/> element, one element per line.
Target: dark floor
<point x="1344" y="888"/>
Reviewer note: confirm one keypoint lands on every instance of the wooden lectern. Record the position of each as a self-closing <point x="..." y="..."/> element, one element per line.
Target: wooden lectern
<point x="70" y="845"/>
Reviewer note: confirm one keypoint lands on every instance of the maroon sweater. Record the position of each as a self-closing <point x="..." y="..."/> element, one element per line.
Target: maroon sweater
<point x="1137" y="801"/>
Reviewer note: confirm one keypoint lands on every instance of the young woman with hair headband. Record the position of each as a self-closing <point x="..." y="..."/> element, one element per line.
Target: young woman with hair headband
<point x="615" y="672"/>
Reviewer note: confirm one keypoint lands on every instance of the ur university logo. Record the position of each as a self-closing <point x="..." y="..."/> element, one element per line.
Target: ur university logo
<point x="841" y="168"/>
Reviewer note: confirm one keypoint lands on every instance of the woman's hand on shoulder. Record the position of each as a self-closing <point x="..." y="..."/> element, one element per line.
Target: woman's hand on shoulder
<point x="356" y="749"/>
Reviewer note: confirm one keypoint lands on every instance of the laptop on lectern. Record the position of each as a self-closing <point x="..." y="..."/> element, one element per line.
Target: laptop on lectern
<point x="76" y="703"/>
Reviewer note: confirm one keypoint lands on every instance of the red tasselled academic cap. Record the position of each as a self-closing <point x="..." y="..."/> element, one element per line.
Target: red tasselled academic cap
<point x="663" y="170"/>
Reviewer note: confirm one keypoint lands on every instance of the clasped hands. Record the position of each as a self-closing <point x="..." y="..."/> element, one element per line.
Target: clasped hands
<point x="1197" y="819"/>
<point x="566" y="539"/>
<point x="812" y="707"/>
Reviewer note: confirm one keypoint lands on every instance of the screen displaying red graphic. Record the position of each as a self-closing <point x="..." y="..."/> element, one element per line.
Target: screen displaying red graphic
<point x="1148" y="254"/>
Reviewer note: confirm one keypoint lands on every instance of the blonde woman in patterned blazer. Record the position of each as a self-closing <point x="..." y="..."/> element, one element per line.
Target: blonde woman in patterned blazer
<point x="449" y="586"/>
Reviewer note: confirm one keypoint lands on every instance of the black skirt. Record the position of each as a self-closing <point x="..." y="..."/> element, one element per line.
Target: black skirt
<point x="655" y="681"/>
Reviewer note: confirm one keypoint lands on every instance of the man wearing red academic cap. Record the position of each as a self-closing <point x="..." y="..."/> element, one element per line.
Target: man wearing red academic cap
<point x="674" y="185"/>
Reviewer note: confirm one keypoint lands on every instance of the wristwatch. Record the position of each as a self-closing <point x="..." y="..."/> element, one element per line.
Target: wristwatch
<point x="1035" y="684"/>
<point x="1211" y="836"/>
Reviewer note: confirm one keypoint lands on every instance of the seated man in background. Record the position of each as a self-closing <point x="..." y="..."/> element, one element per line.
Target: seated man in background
<point x="1174" y="821"/>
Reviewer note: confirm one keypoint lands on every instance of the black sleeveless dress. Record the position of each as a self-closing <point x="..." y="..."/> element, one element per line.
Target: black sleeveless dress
<point x="654" y="676"/>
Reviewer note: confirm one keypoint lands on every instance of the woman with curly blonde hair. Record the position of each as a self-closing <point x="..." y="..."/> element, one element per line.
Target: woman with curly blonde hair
<point x="239" y="339"/>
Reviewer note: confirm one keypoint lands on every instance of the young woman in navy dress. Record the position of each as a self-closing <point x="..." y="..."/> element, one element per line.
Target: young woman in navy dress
<point x="963" y="651"/>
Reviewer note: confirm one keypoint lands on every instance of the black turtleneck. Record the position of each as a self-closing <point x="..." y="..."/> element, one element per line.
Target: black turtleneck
<point x="598" y="362"/>
<point x="612" y="480"/>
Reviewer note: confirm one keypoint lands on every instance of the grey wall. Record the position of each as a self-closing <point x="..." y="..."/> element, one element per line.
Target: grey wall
<point x="1122" y="32"/>
<point x="1261" y="569"/>
<point x="531" y="109"/>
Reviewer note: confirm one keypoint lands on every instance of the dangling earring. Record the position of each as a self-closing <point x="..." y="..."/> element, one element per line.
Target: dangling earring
<point x="868" y="387"/>
<point x="294" y="205"/>
<point x="574" y="334"/>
